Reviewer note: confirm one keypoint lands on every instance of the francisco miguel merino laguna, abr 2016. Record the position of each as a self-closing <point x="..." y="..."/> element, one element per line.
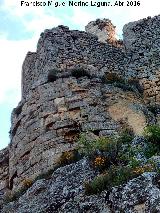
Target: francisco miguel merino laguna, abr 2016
<point x="80" y="3"/>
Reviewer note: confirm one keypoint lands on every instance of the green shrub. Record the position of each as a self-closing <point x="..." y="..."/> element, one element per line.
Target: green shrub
<point x="79" y="72"/>
<point x="105" y="147"/>
<point x="106" y="151"/>
<point x="103" y="144"/>
<point x="125" y="137"/>
<point x="151" y="150"/>
<point x="107" y="144"/>
<point x="46" y="175"/>
<point x="133" y="162"/>
<point x="52" y="75"/>
<point x="152" y="134"/>
<point x="85" y="146"/>
<point x="115" y="176"/>
<point x="126" y="154"/>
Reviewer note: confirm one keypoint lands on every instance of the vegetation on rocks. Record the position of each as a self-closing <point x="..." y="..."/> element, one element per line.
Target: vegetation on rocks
<point x="52" y="75"/>
<point x="71" y="84"/>
<point x="131" y="85"/>
<point x="79" y="72"/>
<point x="114" y="176"/>
<point x="152" y="134"/>
<point x="117" y="159"/>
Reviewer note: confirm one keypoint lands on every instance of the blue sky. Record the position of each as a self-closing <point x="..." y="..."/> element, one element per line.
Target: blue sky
<point x="20" y="28"/>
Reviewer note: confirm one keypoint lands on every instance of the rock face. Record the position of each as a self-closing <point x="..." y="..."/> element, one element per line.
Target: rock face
<point x="53" y="195"/>
<point x="57" y="112"/>
<point x="4" y="172"/>
<point x="87" y="81"/>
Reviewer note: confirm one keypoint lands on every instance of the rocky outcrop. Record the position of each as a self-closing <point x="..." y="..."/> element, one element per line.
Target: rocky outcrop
<point x="64" y="92"/>
<point x="103" y="29"/>
<point x="141" y="194"/>
<point x="51" y="195"/>
<point x="64" y="192"/>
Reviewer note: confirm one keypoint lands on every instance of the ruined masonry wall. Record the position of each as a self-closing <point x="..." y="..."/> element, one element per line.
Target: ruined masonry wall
<point x="76" y="48"/>
<point x="55" y="109"/>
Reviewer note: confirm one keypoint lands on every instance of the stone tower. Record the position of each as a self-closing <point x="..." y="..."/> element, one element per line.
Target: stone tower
<point x="70" y="85"/>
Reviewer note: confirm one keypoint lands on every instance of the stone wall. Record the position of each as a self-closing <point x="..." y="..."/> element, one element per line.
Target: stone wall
<point x="142" y="46"/>
<point x="64" y="92"/>
<point x="75" y="49"/>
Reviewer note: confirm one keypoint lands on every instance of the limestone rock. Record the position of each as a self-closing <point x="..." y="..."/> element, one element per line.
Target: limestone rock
<point x="51" y="195"/>
<point x="141" y="194"/>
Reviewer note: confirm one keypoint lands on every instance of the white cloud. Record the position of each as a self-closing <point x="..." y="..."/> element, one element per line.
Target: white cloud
<point x="12" y="54"/>
<point x="38" y="24"/>
<point x="39" y="19"/>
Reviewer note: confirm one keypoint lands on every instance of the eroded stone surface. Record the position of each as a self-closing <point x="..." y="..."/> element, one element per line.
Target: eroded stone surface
<point x="51" y="195"/>
<point x="4" y="172"/>
<point x="62" y="110"/>
<point x="141" y="194"/>
<point x="103" y="29"/>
